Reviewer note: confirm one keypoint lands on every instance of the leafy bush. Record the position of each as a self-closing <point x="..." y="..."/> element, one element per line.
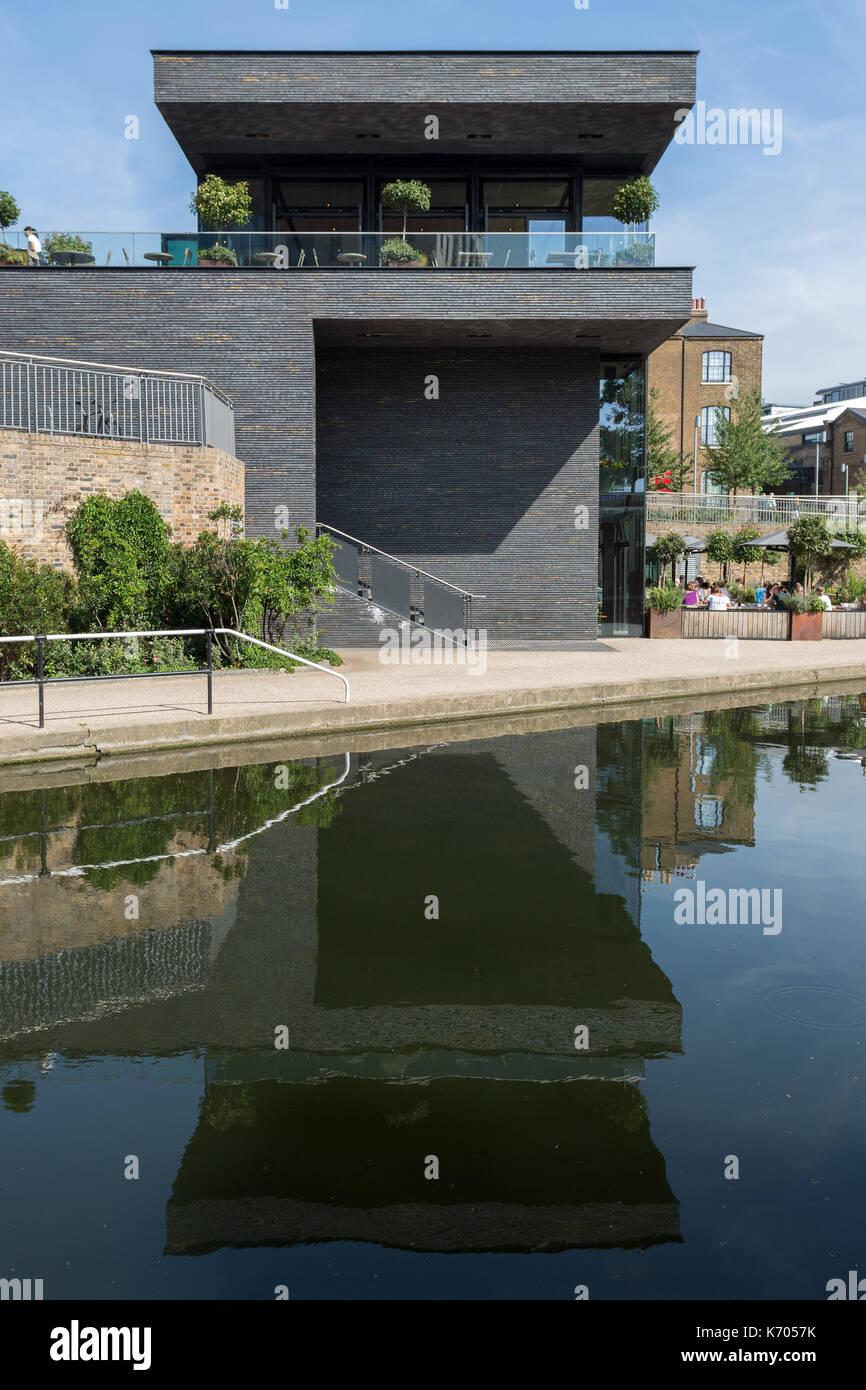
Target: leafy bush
<point x="641" y="253"/>
<point x="65" y="241"/>
<point x="664" y="598"/>
<point x="218" y="203"/>
<point x="34" y="598"/>
<point x="218" y="252"/>
<point x="129" y="576"/>
<point x="120" y="550"/>
<point x="398" y="250"/>
<point x="10" y="255"/>
<point x="803" y="603"/>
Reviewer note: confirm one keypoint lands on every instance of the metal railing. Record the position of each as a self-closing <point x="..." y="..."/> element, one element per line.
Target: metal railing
<point x="687" y="508"/>
<point x="41" y="680"/>
<point x="56" y="395"/>
<point x="398" y="587"/>
<point x="355" y="250"/>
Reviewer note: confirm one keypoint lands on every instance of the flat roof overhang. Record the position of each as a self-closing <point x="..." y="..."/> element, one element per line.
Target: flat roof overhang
<point x="618" y="338"/>
<point x="614" y="108"/>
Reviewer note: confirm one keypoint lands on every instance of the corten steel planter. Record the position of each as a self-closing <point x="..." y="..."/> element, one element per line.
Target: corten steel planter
<point x="664" y="624"/>
<point x="807" y="627"/>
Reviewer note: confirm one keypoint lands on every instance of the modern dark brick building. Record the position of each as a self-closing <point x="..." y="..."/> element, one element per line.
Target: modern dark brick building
<point x="453" y="412"/>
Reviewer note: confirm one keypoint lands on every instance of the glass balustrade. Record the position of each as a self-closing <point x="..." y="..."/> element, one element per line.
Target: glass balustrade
<point x="325" y="250"/>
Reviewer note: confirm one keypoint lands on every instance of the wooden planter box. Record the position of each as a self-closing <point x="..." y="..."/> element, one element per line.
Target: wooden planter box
<point x="217" y="265"/>
<point x="664" y="624"/>
<point x="807" y="627"/>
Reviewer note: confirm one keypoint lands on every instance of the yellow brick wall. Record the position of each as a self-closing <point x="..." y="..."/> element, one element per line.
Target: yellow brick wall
<point x="43" y="478"/>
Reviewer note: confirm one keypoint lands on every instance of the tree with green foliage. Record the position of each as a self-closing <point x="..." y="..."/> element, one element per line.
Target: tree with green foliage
<point x="120" y="550"/>
<point x="667" y="550"/>
<point x="810" y="542"/>
<point x="406" y="195"/>
<point x="745" y="457"/>
<point x="635" y="201"/>
<point x="255" y="586"/>
<point x="221" y="205"/>
<point x="722" y="550"/>
<point x="743" y="553"/>
<point x="9" y="212"/>
<point x="663" y="461"/>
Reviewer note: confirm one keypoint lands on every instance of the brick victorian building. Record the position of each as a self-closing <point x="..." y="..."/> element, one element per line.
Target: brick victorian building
<point x="701" y="367"/>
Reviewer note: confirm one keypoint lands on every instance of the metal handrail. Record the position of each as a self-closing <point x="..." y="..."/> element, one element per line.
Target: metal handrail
<point x="115" y="367"/>
<point x="323" y="525"/>
<point x="208" y="632"/>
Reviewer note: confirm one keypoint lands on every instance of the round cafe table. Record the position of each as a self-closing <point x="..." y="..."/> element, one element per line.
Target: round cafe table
<point x="351" y="258"/>
<point x="161" y="257"/>
<point x="73" y="258"/>
<point x="265" y="257"/>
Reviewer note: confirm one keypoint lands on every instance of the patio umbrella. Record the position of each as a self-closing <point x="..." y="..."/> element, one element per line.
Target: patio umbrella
<point x="778" y="540"/>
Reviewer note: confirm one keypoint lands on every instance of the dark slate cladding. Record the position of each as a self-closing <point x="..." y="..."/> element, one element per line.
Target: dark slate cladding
<point x="430" y="77"/>
<point x="516" y="415"/>
<point x="479" y="486"/>
<point x="585" y="106"/>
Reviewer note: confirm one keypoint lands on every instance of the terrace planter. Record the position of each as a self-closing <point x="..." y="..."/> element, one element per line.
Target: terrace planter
<point x="217" y="265"/>
<point x="807" y="627"/>
<point x="664" y="624"/>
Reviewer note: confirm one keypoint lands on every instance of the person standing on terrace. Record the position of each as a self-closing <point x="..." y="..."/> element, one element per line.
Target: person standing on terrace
<point x="34" y="247"/>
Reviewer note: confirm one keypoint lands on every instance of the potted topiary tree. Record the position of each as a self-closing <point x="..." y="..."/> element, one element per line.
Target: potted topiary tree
<point x="404" y="195"/>
<point x="635" y="201"/>
<point x="664" y="618"/>
<point x="222" y="206"/>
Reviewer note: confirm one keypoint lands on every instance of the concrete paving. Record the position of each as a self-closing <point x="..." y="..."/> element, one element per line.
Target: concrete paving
<point x="92" y="720"/>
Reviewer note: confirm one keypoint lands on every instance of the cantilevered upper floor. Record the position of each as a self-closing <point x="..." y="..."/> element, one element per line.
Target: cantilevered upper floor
<point x="508" y="143"/>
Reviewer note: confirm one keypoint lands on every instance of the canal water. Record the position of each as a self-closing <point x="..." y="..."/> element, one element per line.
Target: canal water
<point x="537" y="1015"/>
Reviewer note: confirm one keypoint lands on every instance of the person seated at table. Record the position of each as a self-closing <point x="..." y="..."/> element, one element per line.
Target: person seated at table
<point x="759" y="593"/>
<point x="719" y="601"/>
<point x="824" y="596"/>
<point x="691" y="598"/>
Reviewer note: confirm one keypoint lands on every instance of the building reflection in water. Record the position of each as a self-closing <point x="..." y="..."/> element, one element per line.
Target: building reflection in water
<point x="413" y="1032"/>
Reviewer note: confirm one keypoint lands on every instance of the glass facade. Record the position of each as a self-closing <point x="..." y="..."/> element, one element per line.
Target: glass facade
<point x="622" y="498"/>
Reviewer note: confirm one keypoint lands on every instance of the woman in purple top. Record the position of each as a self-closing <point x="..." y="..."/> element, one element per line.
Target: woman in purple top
<point x="691" y="599"/>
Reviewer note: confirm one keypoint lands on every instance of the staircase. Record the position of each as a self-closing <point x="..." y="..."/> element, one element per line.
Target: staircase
<point x="375" y="590"/>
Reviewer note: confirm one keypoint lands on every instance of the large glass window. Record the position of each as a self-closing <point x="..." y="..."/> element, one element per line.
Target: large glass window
<point x="622" y="427"/>
<point x="319" y="205"/>
<point x="716" y="366"/>
<point x="622" y="498"/>
<point x="710" y="424"/>
<point x="540" y="206"/>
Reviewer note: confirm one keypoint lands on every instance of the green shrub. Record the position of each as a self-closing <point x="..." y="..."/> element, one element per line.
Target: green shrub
<point x="803" y="603"/>
<point x="635" y="201"/>
<point x="65" y="241"/>
<point x="664" y="598"/>
<point x="34" y="598"/>
<point x="218" y="252"/>
<point x="120" y="549"/>
<point x="396" y="249"/>
<point x="10" y="255"/>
